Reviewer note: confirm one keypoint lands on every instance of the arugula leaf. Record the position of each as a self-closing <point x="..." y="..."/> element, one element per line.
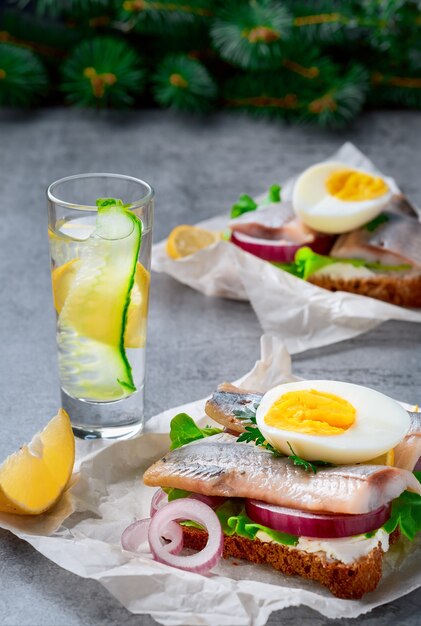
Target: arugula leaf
<point x="406" y="513"/>
<point x="273" y="195"/>
<point x="183" y="430"/>
<point x="308" y="466"/>
<point x="245" y="203"/>
<point x="376" y="222"/>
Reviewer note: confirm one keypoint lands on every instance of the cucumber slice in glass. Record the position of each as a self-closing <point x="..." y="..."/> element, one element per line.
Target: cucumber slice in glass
<point x="90" y="332"/>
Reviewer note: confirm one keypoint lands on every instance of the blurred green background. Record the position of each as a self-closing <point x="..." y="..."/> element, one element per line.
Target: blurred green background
<point x="301" y="61"/>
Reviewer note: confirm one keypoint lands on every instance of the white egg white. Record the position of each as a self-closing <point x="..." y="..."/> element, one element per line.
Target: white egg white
<point x="325" y="213"/>
<point x="380" y="424"/>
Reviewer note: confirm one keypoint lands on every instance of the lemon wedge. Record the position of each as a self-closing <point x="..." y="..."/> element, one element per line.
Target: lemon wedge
<point x="135" y="333"/>
<point x="33" y="478"/>
<point x="185" y="240"/>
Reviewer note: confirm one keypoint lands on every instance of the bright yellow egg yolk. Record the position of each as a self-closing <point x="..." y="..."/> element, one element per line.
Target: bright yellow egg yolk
<point x="353" y="186"/>
<point x="311" y="412"/>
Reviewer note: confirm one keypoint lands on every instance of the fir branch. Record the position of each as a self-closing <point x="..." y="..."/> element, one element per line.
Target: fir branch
<point x="339" y="103"/>
<point x="23" y="79"/>
<point x="163" y="16"/>
<point x="47" y="38"/>
<point x="403" y="89"/>
<point x="104" y="71"/>
<point x="321" y="21"/>
<point x="251" y="34"/>
<point x="264" y="94"/>
<point x="184" y="84"/>
<point x="73" y="8"/>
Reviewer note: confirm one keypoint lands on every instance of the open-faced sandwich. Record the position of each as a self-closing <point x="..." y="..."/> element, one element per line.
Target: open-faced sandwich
<point x="315" y="478"/>
<point x="344" y="230"/>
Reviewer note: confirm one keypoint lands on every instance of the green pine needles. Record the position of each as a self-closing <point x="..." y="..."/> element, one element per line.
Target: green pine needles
<point x="251" y="34"/>
<point x="103" y="71"/>
<point x="184" y="84"/>
<point x="304" y="61"/>
<point x="23" y="79"/>
<point x="163" y="16"/>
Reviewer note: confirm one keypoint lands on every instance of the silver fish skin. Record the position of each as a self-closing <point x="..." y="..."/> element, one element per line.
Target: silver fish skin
<point x="400" y="204"/>
<point x="219" y="466"/>
<point x="408" y="451"/>
<point x="395" y="242"/>
<point x="229" y="399"/>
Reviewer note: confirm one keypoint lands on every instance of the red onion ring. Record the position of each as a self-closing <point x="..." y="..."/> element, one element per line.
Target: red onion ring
<point x="319" y="525"/>
<point x="279" y="251"/>
<point x="187" y="509"/>
<point x="137" y="534"/>
<point x="417" y="467"/>
<point x="159" y="499"/>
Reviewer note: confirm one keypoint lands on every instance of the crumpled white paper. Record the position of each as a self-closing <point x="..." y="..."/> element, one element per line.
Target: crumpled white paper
<point x="82" y="535"/>
<point x="303" y="315"/>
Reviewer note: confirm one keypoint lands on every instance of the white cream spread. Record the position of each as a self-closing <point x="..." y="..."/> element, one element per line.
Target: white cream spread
<point x="347" y="549"/>
<point x="344" y="270"/>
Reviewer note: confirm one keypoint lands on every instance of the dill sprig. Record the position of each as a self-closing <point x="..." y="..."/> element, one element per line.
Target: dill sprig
<point x="308" y="466"/>
<point x="252" y="434"/>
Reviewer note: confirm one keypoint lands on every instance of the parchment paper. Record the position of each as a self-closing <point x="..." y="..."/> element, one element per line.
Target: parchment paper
<point x="303" y="315"/>
<point x="82" y="535"/>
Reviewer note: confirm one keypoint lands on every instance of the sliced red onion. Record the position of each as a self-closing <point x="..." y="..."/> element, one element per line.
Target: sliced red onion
<point x="320" y="525"/>
<point x="417" y="467"/>
<point x="135" y="537"/>
<point x="159" y="499"/>
<point x="279" y="251"/>
<point x="187" y="509"/>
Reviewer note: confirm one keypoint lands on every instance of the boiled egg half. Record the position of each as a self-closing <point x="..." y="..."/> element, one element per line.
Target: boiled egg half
<point x="334" y="198"/>
<point x="327" y="420"/>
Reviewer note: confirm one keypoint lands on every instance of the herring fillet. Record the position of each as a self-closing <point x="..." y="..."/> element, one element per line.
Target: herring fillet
<point x="408" y="451"/>
<point x="219" y="466"/>
<point x="229" y="399"/>
<point x="398" y="241"/>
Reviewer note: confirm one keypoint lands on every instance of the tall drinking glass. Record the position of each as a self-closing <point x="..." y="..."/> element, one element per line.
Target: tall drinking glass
<point x="100" y="232"/>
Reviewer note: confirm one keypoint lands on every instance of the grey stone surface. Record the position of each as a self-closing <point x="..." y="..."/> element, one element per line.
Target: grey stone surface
<point x="198" y="168"/>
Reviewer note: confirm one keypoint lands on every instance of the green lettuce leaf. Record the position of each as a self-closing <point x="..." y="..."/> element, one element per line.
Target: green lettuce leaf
<point x="234" y="520"/>
<point x="406" y="513"/>
<point x="183" y="429"/>
<point x="307" y="262"/>
<point x="174" y="494"/>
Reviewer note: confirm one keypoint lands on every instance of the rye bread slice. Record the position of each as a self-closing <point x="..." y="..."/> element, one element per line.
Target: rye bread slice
<point x="403" y="290"/>
<point x="347" y="581"/>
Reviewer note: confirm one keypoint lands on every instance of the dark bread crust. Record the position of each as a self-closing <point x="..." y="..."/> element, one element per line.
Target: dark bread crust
<point x="350" y="582"/>
<point x="401" y="290"/>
